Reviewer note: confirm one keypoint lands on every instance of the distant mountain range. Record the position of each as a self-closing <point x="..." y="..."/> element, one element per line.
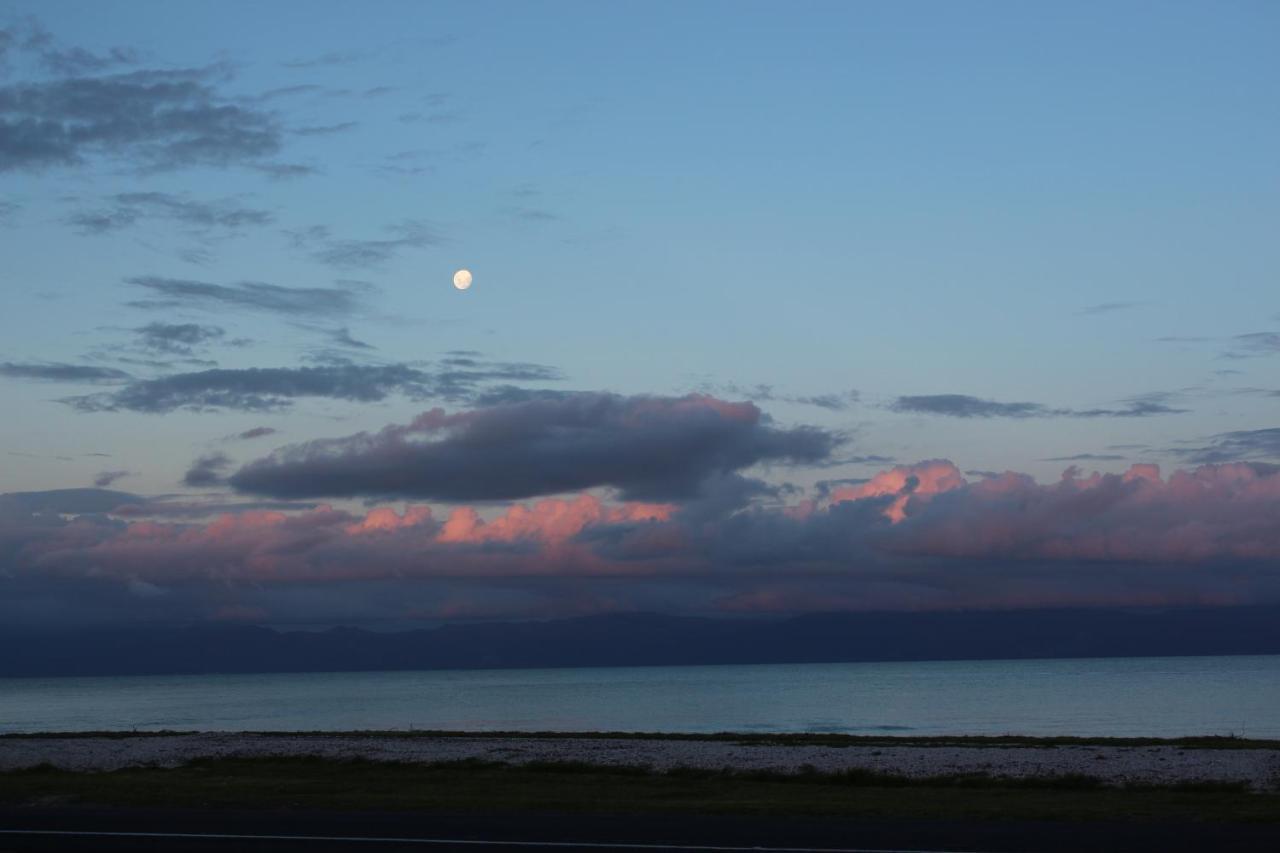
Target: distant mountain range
<point x="641" y="639"/>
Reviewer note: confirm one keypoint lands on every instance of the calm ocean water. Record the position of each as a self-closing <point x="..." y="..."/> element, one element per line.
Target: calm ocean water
<point x="1118" y="696"/>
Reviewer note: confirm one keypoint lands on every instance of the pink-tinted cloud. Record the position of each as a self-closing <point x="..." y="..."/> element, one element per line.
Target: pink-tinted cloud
<point x="904" y="482"/>
<point x="913" y="536"/>
<point x="550" y="520"/>
<point x="1214" y="512"/>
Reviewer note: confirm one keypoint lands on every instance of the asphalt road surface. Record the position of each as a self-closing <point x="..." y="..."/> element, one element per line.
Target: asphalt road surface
<point x="115" y="829"/>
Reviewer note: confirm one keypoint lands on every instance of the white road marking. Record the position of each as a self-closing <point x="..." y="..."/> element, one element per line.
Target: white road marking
<point x="472" y="842"/>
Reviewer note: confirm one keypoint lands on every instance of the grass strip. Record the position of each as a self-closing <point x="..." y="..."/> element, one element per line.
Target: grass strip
<point x="476" y="786"/>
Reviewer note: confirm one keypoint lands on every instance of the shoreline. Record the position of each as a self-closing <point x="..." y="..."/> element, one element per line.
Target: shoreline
<point x="1116" y="762"/>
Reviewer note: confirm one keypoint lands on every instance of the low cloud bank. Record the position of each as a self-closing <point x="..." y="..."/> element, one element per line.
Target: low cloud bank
<point x="913" y="537"/>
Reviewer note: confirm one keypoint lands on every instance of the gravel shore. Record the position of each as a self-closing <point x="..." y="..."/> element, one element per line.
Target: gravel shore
<point x="1165" y="764"/>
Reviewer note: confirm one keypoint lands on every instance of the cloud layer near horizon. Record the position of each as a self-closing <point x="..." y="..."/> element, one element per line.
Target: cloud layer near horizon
<point x="913" y="536"/>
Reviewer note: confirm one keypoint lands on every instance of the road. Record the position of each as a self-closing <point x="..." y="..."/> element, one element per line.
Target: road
<point x="117" y="829"/>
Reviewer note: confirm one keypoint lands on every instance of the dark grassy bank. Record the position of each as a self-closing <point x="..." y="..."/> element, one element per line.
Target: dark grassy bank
<point x="774" y="739"/>
<point x="310" y="783"/>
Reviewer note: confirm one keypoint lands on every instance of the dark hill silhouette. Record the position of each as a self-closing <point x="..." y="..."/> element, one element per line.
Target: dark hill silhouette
<point x="640" y="639"/>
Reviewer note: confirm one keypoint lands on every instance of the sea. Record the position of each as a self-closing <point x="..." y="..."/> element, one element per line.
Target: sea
<point x="1153" y="697"/>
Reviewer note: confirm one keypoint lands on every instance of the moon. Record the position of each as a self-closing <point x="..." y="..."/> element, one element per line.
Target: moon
<point x="462" y="279"/>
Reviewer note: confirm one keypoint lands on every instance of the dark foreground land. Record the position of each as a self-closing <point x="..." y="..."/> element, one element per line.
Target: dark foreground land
<point x="362" y="804"/>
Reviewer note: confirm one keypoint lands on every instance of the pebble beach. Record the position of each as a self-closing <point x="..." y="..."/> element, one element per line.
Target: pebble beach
<point x="1160" y="764"/>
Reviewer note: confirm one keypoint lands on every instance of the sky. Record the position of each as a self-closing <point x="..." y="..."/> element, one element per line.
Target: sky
<point x="778" y="307"/>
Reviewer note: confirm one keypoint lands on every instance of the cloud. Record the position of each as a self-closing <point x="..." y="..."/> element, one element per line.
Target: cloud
<point x="207" y="470"/>
<point x="364" y="254"/>
<point x="257" y="389"/>
<point x="267" y="389"/>
<point x="916" y="536"/>
<point x="1210" y="513"/>
<point x="1110" y="307"/>
<point x="1137" y="407"/>
<point x="62" y="501"/>
<point x="529" y="214"/>
<point x="1255" y="344"/>
<point x="127" y="209"/>
<point x="57" y="372"/>
<point x="257" y="432"/>
<point x="338" y="337"/>
<point x="76" y="61"/>
<point x="248" y="296"/>
<point x="333" y="57"/>
<point x="325" y="129"/>
<point x="106" y="478"/>
<point x="647" y="448"/>
<point x="836" y="401"/>
<point x="1235" y="445"/>
<point x="1086" y="457"/>
<point x="204" y="506"/>
<point x="176" y="338"/>
<point x="964" y="406"/>
<point x="32" y="38"/>
<point x="152" y="119"/>
<point x="285" y="171"/>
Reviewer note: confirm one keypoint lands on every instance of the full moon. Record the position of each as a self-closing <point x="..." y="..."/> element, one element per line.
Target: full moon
<point x="462" y="279"/>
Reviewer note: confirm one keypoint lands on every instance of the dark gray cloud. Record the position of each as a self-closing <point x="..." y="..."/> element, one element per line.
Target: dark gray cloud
<point x="1110" y="307"/>
<point x="55" y="372"/>
<point x="529" y="214"/>
<point x="257" y="432"/>
<point x="285" y="171"/>
<point x="1238" y="445"/>
<point x="965" y="406"/>
<point x="824" y="488"/>
<point x="436" y="117"/>
<point x="69" y="501"/>
<point x="340" y="337"/>
<point x="648" y="448"/>
<point x="106" y="478"/>
<point x="30" y="37"/>
<point x="258" y="389"/>
<point x="1255" y="343"/>
<point x="76" y="61"/>
<point x="420" y="161"/>
<point x="215" y="503"/>
<point x="7" y="42"/>
<point x="249" y="295"/>
<point x="126" y="209"/>
<point x="296" y="90"/>
<point x="343" y="253"/>
<point x="1139" y="407"/>
<point x="761" y="393"/>
<point x="1086" y="457"/>
<point x="207" y="470"/>
<point x="325" y="129"/>
<point x="176" y="338"/>
<point x="267" y="389"/>
<point x="153" y="119"/>
<point x="333" y="57"/>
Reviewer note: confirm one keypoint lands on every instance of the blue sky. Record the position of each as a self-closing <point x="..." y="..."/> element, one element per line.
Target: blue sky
<point x="1019" y="232"/>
